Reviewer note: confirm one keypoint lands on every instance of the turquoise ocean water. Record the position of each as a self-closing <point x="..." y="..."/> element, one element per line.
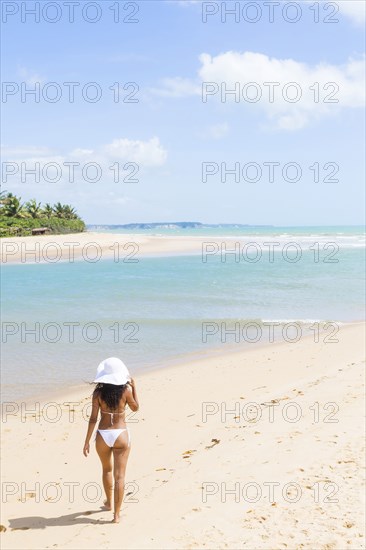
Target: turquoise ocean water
<point x="60" y="320"/>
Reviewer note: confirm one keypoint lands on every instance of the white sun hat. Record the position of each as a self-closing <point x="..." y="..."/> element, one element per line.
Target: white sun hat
<point x="112" y="371"/>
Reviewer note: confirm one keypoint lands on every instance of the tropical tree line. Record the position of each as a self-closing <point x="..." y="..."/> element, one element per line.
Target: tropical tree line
<point x="19" y="218"/>
<point x="11" y="206"/>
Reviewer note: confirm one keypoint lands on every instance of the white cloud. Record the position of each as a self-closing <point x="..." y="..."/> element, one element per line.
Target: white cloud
<point x="236" y="69"/>
<point x="146" y="153"/>
<point x="353" y="9"/>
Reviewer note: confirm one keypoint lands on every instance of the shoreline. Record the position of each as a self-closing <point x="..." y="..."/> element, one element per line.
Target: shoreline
<point x="93" y="247"/>
<point x="176" y="451"/>
<point x="213" y="353"/>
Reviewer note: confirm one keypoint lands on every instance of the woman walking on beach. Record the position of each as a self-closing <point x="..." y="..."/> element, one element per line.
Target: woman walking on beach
<point x="115" y="389"/>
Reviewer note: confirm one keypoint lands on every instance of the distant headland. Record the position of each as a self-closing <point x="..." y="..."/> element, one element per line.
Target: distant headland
<point x="169" y="225"/>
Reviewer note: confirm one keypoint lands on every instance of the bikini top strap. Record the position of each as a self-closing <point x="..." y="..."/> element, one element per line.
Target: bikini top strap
<point x="111" y="414"/>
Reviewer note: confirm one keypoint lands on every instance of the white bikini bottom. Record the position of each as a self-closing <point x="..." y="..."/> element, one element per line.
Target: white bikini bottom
<point x="110" y="436"/>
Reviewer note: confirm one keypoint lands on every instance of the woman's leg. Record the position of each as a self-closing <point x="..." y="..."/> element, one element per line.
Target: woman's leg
<point x="105" y="455"/>
<point x="121" y="451"/>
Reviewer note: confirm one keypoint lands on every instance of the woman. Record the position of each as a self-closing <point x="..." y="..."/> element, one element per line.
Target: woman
<point x="115" y="389"/>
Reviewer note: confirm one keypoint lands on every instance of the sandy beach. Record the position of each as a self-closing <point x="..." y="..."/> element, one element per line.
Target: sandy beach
<point x="182" y="221"/>
<point x="92" y="247"/>
<point x="256" y="449"/>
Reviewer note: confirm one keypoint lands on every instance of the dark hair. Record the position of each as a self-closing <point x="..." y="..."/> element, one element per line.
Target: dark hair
<point x="110" y="394"/>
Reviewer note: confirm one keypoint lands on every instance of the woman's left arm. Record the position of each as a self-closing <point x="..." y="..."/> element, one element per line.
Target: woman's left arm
<point x="92" y="421"/>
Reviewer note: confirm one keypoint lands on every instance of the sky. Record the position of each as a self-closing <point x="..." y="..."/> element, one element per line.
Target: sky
<point x="218" y="112"/>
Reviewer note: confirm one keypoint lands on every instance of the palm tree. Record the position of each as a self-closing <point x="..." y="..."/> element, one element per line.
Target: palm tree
<point x="4" y="196"/>
<point x="70" y="212"/>
<point x="33" y="208"/>
<point x="12" y="207"/>
<point x="58" y="210"/>
<point x="47" y="210"/>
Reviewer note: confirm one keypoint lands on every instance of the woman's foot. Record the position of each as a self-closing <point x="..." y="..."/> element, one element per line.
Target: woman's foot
<point x="116" y="518"/>
<point x="107" y="505"/>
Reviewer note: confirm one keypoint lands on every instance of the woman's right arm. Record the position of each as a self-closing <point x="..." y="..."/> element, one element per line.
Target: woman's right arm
<point x="91" y="425"/>
<point x="131" y="397"/>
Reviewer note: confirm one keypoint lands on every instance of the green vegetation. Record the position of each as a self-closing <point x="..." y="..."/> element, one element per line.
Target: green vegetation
<point x="17" y="218"/>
